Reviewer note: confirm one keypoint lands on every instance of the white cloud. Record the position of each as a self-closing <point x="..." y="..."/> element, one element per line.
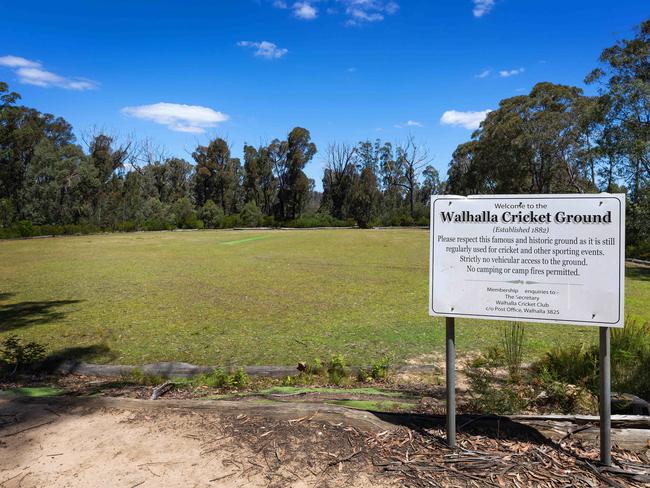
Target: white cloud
<point x="484" y="74"/>
<point x="357" y="11"/>
<point x="305" y="11"/>
<point x="414" y="123"/>
<point x="32" y="73"/>
<point x="178" y="117"/>
<point x="505" y="73"/>
<point x="468" y="120"/>
<point x="482" y="7"/>
<point x="17" y="62"/>
<point x="265" y="49"/>
<point x="351" y="70"/>
<point x="366" y="11"/>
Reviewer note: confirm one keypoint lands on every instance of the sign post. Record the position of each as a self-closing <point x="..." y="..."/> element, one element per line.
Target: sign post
<point x="556" y="259"/>
<point x="450" y="371"/>
<point x="605" y="398"/>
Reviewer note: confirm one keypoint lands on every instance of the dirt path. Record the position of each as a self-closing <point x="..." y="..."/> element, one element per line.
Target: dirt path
<point x="126" y="442"/>
<point x="111" y="447"/>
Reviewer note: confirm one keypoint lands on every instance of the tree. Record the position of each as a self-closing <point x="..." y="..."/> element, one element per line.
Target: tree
<point x="411" y="159"/>
<point x="211" y="214"/>
<point x="108" y="161"/>
<point x="365" y="198"/>
<point x="289" y="158"/>
<point x="217" y="175"/>
<point x="532" y="144"/>
<point x="625" y="146"/>
<point x="21" y="130"/>
<point x="251" y="215"/>
<point x="431" y="184"/>
<point x="339" y="180"/>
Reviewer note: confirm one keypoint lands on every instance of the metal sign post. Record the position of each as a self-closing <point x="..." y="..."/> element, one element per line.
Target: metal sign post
<point x="605" y="398"/>
<point x="451" y="379"/>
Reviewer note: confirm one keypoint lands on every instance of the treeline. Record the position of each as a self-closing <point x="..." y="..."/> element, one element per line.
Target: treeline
<point x="49" y="184"/>
<point x="557" y="140"/>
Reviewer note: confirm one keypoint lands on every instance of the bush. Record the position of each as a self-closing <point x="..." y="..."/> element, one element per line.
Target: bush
<point x="231" y="221"/>
<point x="141" y="378"/>
<point x="630" y="362"/>
<point x="336" y="370"/>
<point x="378" y="371"/>
<point x="23" y="228"/>
<point x="219" y="379"/>
<point x="15" y="354"/>
<point x="487" y="396"/>
<point x="6" y="212"/>
<point x="318" y="220"/>
<point x="185" y="215"/>
<point x="251" y="216"/>
<point x="513" y="348"/>
<point x="212" y="215"/>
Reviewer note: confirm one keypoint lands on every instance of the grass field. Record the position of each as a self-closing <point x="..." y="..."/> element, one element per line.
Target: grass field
<point x="247" y="298"/>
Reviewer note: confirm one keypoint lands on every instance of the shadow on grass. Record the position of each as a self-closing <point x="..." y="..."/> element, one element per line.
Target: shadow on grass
<point x="22" y="314"/>
<point x="73" y="355"/>
<point x="638" y="273"/>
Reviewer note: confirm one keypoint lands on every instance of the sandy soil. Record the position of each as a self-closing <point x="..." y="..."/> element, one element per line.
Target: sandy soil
<point x="40" y="446"/>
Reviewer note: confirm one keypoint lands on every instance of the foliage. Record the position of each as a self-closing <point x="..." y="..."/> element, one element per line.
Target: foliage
<point x="318" y="220"/>
<point x="337" y="371"/>
<point x="15" y="353"/>
<point x="378" y="371"/>
<point x="630" y="360"/>
<point x="220" y="379"/>
<point x="250" y="215"/>
<point x="487" y="395"/>
<point x="513" y="348"/>
<point x="212" y="215"/>
<point x="139" y="377"/>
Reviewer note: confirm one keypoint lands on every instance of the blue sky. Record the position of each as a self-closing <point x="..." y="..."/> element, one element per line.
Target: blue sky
<point x="179" y="73"/>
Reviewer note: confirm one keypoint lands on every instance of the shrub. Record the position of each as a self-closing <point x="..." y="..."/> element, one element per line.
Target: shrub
<point x="513" y="348"/>
<point x="215" y="379"/>
<point x="220" y="379"/>
<point x="185" y="215"/>
<point x="578" y="365"/>
<point x="377" y="371"/>
<point x="239" y="379"/>
<point x="6" y="212"/>
<point x="212" y="215"/>
<point x="336" y="370"/>
<point x="487" y="396"/>
<point x="141" y="378"/>
<point x="16" y="354"/>
<point x="251" y="216"/>
<point x="318" y="220"/>
<point x="23" y="228"/>
<point x="231" y="221"/>
<point x="640" y="250"/>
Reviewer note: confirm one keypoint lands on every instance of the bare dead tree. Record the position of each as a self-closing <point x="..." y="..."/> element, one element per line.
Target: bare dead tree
<point x="412" y="158"/>
<point x="338" y="178"/>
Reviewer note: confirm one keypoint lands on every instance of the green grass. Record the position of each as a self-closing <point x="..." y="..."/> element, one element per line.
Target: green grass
<point x="294" y="390"/>
<point x="41" y="391"/>
<point x="276" y="297"/>
<point x="374" y="405"/>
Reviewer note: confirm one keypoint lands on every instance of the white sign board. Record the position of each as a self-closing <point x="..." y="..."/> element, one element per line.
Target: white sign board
<point x="533" y="258"/>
